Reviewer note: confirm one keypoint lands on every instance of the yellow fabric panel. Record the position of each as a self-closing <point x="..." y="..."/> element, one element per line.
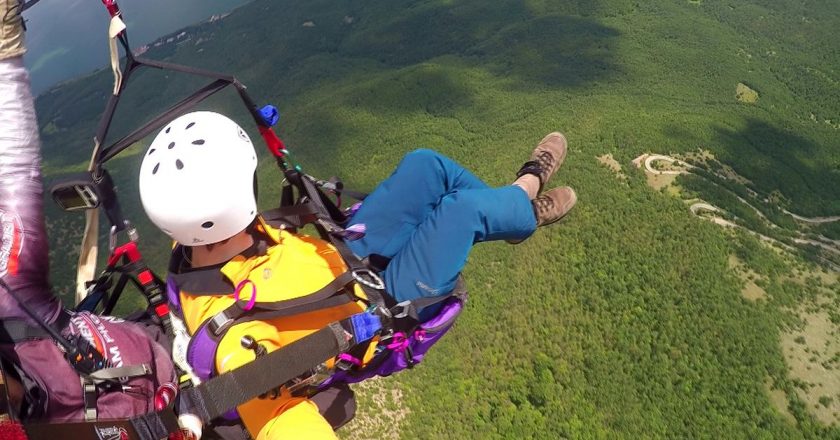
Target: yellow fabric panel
<point x="301" y="421"/>
<point x="296" y="266"/>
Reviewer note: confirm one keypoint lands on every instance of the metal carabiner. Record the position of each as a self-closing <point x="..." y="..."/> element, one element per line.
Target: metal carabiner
<point x="129" y="229"/>
<point x="375" y="281"/>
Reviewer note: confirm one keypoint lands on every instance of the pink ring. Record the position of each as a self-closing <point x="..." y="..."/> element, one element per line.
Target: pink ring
<point x="253" y="299"/>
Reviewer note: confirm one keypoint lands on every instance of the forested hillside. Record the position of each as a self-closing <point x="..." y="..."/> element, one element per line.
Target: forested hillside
<point x="629" y="318"/>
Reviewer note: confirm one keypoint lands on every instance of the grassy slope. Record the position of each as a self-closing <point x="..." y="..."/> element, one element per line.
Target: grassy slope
<point x="625" y="320"/>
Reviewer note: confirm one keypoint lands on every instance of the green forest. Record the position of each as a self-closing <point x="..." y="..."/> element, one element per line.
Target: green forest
<point x="626" y="320"/>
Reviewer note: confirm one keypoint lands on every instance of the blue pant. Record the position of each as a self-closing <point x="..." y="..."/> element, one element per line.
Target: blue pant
<point x="426" y="217"/>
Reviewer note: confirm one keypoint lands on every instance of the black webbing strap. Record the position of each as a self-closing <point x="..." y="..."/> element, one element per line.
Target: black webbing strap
<point x="295" y="215"/>
<point x="262" y="314"/>
<point x="221" y="81"/>
<point x="327" y="213"/>
<point x="176" y="110"/>
<point x="326" y="297"/>
<point x="332" y="288"/>
<point x="218" y="395"/>
<point x="116" y="429"/>
<point x="14" y="331"/>
<point x="155" y="426"/>
<point x="360" y="196"/>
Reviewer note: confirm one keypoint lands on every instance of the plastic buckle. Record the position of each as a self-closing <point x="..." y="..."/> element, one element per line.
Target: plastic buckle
<point x="346" y="362"/>
<point x="374" y="282"/>
<point x="219" y="324"/>
<point x="89" y="395"/>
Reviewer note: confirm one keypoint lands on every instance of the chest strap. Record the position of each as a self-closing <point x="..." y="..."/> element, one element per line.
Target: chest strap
<point x="201" y="352"/>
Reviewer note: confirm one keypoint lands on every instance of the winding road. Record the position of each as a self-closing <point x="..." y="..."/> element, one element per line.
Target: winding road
<point x="696" y="208"/>
<point x="651" y="158"/>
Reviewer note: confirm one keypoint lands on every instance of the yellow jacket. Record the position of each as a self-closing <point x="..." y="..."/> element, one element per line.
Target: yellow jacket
<point x="281" y="266"/>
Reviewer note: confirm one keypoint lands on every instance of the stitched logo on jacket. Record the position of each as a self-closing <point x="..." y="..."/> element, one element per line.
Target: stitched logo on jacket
<point x="11" y="243"/>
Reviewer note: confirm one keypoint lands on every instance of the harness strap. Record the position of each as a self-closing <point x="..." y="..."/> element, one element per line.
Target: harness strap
<point x="216" y="396"/>
<point x="155" y="426"/>
<point x="221" y="393"/>
<point x="202" y="347"/>
<point x="120" y="429"/>
<point x="113" y="373"/>
<point x="269" y="313"/>
<point x="295" y="215"/>
<point x="14" y="331"/>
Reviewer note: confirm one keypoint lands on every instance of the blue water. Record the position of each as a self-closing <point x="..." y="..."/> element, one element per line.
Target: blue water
<point x="68" y="38"/>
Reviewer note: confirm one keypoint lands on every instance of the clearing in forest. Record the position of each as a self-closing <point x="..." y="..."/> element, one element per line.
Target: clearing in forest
<point x="612" y="164"/>
<point x="751" y="290"/>
<point x="812" y="354"/>
<point x="380" y="411"/>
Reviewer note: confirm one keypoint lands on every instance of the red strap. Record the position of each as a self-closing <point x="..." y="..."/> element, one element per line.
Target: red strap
<point x="274" y="144"/>
<point x="145" y="277"/>
<point x="112" y="6"/>
<point x="161" y="309"/>
<point x="129" y="250"/>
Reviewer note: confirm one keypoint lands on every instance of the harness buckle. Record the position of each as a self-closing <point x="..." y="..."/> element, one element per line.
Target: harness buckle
<point x="308" y="380"/>
<point x="330" y="227"/>
<point x="373" y="280"/>
<point x="346" y="361"/>
<point x="130" y="230"/>
<point x="402" y="310"/>
<point x="219" y="323"/>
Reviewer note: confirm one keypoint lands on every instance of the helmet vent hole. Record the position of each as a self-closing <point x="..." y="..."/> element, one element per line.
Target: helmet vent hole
<point x="207" y="225"/>
<point x="189" y="126"/>
<point x="155" y="169"/>
<point x="198" y="142"/>
<point x="252" y="212"/>
<point x="179" y="164"/>
<point x="168" y="129"/>
<point x="152" y="151"/>
<point x="171" y="145"/>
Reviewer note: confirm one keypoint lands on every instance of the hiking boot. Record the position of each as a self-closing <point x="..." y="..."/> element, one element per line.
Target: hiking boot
<point x="546" y="158"/>
<point x="553" y="205"/>
<point x="11" y="30"/>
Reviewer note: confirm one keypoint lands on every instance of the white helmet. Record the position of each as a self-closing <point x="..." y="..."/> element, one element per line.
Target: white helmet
<point x="197" y="179"/>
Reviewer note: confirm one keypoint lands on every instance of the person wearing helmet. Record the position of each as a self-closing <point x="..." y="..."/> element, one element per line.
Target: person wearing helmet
<point x="44" y="386"/>
<point x="197" y="184"/>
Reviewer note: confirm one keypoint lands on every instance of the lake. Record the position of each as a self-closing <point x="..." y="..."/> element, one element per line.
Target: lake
<point x="69" y="38"/>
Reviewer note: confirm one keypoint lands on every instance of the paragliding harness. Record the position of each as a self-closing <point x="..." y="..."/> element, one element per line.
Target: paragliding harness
<point x="401" y="338"/>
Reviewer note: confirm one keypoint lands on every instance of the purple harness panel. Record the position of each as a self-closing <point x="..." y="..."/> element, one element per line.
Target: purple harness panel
<point x="408" y="351"/>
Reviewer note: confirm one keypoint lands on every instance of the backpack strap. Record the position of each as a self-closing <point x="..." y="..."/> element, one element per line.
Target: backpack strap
<point x="216" y="396"/>
<point x="15" y="331"/>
